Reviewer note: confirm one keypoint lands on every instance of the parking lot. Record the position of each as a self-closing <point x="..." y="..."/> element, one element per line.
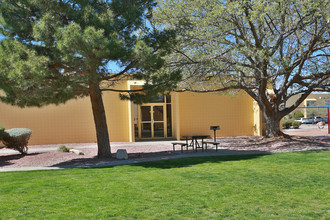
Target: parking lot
<point x="308" y="130"/>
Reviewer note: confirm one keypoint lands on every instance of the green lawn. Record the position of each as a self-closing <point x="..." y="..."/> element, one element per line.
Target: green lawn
<point x="277" y="186"/>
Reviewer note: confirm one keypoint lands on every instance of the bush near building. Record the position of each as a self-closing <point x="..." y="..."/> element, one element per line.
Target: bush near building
<point x="287" y="123"/>
<point x="2" y="130"/>
<point x="298" y="114"/>
<point x="296" y="124"/>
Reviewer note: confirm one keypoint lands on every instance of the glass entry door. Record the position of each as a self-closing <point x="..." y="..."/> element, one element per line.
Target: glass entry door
<point x="152" y="121"/>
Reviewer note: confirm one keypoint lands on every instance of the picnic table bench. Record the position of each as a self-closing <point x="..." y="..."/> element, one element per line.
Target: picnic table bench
<point x="182" y="144"/>
<point x="215" y="143"/>
<point x="194" y="140"/>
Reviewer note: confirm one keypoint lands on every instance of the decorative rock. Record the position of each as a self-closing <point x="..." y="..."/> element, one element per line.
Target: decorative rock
<point x="121" y="154"/>
<point x="78" y="152"/>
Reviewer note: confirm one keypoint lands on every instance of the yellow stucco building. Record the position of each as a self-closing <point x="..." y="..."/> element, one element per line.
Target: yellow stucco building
<point x="313" y="100"/>
<point x="168" y="117"/>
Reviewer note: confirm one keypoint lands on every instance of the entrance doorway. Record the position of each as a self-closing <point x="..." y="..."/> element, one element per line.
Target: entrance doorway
<point x="154" y="120"/>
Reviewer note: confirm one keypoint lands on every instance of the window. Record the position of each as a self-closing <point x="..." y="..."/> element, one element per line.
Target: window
<point x="327" y="102"/>
<point x="161" y="99"/>
<point x="158" y="99"/>
<point x="310" y="103"/>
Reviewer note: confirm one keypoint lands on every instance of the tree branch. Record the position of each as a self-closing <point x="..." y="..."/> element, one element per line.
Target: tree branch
<point x="128" y="67"/>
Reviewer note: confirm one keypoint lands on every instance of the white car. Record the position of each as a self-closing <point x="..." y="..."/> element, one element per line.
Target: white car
<point x="305" y="120"/>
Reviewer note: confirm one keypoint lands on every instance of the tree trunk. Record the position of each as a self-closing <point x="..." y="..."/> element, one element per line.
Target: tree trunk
<point x="273" y="127"/>
<point x="271" y="116"/>
<point x="103" y="143"/>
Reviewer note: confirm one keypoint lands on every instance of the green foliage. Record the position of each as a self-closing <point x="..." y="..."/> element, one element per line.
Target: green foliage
<point x="54" y="50"/>
<point x="63" y="148"/>
<point x="151" y="90"/>
<point x="273" y="50"/>
<point x="289" y="116"/>
<point x="275" y="186"/>
<point x="23" y="74"/>
<point x="298" y="114"/>
<point x="317" y="112"/>
<point x="287" y="123"/>
<point x="2" y="129"/>
<point x="296" y="124"/>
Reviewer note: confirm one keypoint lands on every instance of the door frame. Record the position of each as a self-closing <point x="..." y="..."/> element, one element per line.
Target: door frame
<point x="152" y="122"/>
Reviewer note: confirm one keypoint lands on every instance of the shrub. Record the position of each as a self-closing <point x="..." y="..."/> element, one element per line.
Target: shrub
<point x="287" y="123"/>
<point x="298" y="114"/>
<point x="63" y="148"/>
<point x="2" y="130"/>
<point x="296" y="124"/>
<point x="17" y="138"/>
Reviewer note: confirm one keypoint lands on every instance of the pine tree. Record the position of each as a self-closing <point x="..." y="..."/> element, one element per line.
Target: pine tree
<point x="56" y="50"/>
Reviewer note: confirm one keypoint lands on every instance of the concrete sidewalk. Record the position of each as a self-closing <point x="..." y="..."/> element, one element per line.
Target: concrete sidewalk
<point x="54" y="147"/>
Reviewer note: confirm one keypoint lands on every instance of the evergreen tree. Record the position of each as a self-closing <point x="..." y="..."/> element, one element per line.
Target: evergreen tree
<point x="56" y="50"/>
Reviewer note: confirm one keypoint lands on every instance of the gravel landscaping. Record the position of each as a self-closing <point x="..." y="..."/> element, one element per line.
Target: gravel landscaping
<point x="310" y="138"/>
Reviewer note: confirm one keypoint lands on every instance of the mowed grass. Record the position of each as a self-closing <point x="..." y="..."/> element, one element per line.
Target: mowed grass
<point x="277" y="186"/>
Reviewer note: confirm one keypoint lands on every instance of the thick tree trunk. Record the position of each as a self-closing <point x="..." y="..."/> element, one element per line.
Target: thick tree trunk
<point x="273" y="127"/>
<point x="102" y="134"/>
<point x="271" y="116"/>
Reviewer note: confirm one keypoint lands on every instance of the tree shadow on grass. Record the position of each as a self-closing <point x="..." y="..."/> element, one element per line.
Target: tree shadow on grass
<point x="164" y="159"/>
<point x="196" y="160"/>
<point x="6" y="160"/>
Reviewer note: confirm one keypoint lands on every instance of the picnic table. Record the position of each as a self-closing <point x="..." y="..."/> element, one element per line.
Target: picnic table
<point x="194" y="140"/>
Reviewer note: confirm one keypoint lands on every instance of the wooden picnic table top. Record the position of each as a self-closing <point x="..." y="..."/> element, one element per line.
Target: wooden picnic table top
<point x="196" y="136"/>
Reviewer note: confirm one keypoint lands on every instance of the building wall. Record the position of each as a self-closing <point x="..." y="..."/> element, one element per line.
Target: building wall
<point x="198" y="111"/>
<point x="193" y="113"/>
<point x="318" y="99"/>
<point x="66" y="123"/>
<point x="70" y="122"/>
<point x="118" y="115"/>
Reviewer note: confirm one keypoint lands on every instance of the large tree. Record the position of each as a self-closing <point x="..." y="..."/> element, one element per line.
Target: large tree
<point x="56" y="50"/>
<point x="272" y="49"/>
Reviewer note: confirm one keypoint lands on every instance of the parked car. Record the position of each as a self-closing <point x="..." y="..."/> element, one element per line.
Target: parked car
<point x="325" y="120"/>
<point x="305" y="120"/>
<point x="317" y="119"/>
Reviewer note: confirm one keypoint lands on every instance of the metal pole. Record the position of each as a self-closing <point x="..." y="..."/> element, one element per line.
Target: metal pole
<point x="215" y="137"/>
<point x="328" y="121"/>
